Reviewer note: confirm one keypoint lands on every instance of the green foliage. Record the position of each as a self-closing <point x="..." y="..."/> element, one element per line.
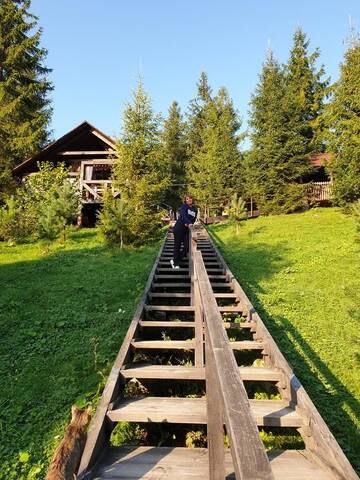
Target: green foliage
<point x="342" y="117"/>
<point x="173" y="150"/>
<point x="113" y="220"/>
<point x="213" y="142"/>
<point x="24" y="87"/>
<point x="286" y="127"/>
<point x="237" y="211"/>
<point x="58" y="211"/>
<point x="12" y="227"/>
<point x="302" y="274"/>
<point x="281" y="441"/>
<point x="195" y="439"/>
<point x="140" y="172"/>
<point x="356" y="213"/>
<point x="52" y="351"/>
<point x="126" y="433"/>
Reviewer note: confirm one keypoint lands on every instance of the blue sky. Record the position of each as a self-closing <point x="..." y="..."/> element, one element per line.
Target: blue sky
<point x="98" y="47"/>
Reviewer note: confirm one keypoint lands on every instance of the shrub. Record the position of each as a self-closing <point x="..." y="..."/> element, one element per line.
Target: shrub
<point x="12" y="225"/>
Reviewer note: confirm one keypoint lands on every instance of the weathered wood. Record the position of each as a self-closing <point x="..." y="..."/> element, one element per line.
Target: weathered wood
<point x="248" y="453"/>
<point x="166" y="324"/>
<point x="164" y="344"/>
<point x="260" y="374"/>
<point x="193" y="410"/>
<point x="149" y="463"/>
<point x="169" y="308"/>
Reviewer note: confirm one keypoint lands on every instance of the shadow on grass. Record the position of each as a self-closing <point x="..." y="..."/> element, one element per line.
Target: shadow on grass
<point x="62" y="320"/>
<point x="337" y="405"/>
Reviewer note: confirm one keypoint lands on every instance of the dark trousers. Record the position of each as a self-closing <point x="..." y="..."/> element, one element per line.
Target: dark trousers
<point x="181" y="237"/>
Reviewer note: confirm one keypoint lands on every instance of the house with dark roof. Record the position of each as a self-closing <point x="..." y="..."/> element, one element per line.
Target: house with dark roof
<point x="88" y="153"/>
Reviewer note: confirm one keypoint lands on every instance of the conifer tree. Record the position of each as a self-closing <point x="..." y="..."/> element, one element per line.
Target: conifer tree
<point x="24" y="87"/>
<point x="305" y="95"/>
<point x="214" y="172"/>
<point x="276" y="159"/>
<point x="140" y="172"/>
<point x="343" y="120"/>
<point x="196" y="116"/>
<point x="174" y="154"/>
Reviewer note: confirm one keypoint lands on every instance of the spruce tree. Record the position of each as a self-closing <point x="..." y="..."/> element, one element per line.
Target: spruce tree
<point x="24" y="87"/>
<point x="276" y="160"/>
<point x="174" y="154"/>
<point x="343" y="120"/>
<point x="214" y="172"/>
<point x="140" y="172"/>
<point x="196" y="121"/>
<point x="305" y="95"/>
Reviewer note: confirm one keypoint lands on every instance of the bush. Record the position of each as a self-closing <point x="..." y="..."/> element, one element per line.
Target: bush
<point x="113" y="220"/>
<point x="12" y="221"/>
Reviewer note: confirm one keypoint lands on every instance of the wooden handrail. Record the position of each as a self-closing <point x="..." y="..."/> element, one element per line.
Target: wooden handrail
<point x="227" y="401"/>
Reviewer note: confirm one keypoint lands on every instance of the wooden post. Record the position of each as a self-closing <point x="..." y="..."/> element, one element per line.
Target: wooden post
<point x="215" y="422"/>
<point x="196" y="302"/>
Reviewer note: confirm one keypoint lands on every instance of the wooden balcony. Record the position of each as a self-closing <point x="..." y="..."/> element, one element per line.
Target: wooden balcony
<point x="320" y="192"/>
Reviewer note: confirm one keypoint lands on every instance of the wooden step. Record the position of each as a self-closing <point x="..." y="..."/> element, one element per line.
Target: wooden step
<point x="231" y="309"/>
<point x="193" y="410"/>
<point x="169" y="308"/>
<point x="165" y="324"/>
<point x="170" y="285"/>
<point x="172" y="270"/>
<point x="225" y="295"/>
<point x="169" y="295"/>
<point x="174" y="276"/>
<point x="160" y="463"/>
<point x="164" y="344"/>
<point x="221" y="285"/>
<point x="190" y="344"/>
<point x="172" y="372"/>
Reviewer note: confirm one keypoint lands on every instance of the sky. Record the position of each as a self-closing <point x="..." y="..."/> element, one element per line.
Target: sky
<point x="98" y="48"/>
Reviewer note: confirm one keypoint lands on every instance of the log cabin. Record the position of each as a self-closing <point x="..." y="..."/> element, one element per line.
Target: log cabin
<point x="89" y="154"/>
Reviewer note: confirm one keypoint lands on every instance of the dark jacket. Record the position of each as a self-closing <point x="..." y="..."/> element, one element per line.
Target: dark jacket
<point x="186" y="216"/>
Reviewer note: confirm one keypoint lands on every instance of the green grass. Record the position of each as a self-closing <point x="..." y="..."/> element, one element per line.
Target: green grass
<point x="302" y="274"/>
<point x="63" y="317"/>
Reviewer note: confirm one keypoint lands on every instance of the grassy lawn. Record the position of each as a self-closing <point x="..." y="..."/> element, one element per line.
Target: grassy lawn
<point x="62" y="319"/>
<point x="302" y="273"/>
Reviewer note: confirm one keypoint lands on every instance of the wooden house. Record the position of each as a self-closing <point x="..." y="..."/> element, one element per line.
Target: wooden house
<point x="320" y="191"/>
<point x="88" y="153"/>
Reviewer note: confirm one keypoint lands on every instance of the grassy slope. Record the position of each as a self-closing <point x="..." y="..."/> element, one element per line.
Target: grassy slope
<point x="302" y="273"/>
<point x="62" y="319"/>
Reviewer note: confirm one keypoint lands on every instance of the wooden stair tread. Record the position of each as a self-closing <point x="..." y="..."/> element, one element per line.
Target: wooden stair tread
<point x="193" y="410"/>
<point x="170" y="308"/>
<point x="166" y="324"/>
<point x="190" y="344"/>
<point x="196" y="373"/>
<point x="169" y="295"/>
<point x="164" y="344"/>
<point x="149" y="463"/>
<point x="171" y="285"/>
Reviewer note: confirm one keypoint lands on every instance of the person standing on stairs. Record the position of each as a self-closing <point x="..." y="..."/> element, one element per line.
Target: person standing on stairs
<point x="187" y="216"/>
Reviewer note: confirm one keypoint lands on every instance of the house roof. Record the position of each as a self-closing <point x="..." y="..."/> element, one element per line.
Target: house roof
<point x="320" y="159"/>
<point x="62" y="142"/>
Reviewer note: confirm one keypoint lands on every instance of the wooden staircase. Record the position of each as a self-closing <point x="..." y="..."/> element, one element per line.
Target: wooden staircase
<point x="196" y="327"/>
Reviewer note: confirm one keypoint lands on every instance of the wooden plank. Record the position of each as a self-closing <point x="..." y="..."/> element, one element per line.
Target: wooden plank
<point x="193" y="410"/>
<point x="164" y="344"/>
<point x="149" y="463"/>
<point x="248" y="453"/>
<point x="165" y="324"/>
<point x="169" y="308"/>
<point x="173" y="372"/>
<point x="169" y="295"/>
<point x="170" y="285"/>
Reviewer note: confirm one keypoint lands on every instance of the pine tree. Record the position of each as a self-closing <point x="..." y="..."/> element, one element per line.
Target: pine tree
<point x="140" y="172"/>
<point x="114" y="220"/>
<point x="276" y="159"/>
<point x="215" y="167"/>
<point x="174" y="154"/>
<point x="305" y="95"/>
<point x="237" y="211"/>
<point x="196" y="121"/>
<point x="343" y="120"/>
<point x="24" y="87"/>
